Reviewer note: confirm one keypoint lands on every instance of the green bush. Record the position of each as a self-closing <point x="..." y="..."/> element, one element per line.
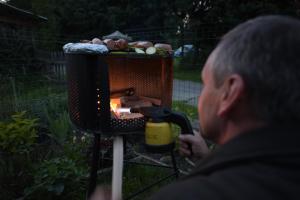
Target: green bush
<point x="58" y="178"/>
<point x="18" y="135"/>
<point x="17" y="142"/>
<point x="59" y="127"/>
<point x="57" y="119"/>
<point x="64" y="176"/>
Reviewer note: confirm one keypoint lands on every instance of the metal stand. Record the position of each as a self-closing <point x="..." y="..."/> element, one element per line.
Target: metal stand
<point x="94" y="165"/>
<point x="117" y="173"/>
<point x="175" y="174"/>
<point x="174" y="164"/>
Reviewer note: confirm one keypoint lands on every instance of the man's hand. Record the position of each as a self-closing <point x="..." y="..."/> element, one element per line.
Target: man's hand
<point x="197" y="143"/>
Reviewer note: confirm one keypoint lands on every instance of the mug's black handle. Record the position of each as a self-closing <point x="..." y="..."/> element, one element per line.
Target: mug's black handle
<point x="183" y="122"/>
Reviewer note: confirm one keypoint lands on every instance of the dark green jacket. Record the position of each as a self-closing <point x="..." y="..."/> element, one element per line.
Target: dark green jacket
<point x="262" y="164"/>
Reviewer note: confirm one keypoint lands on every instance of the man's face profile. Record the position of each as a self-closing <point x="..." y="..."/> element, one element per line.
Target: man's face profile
<point x="209" y="102"/>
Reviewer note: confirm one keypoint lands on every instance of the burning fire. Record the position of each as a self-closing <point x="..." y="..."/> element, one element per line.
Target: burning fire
<point x="115" y="104"/>
<point x="117" y="109"/>
<point x="120" y="112"/>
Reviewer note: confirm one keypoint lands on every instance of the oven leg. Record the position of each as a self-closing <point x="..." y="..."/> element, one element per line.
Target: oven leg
<point x="174" y="164"/>
<point x="117" y="177"/>
<point x="95" y="164"/>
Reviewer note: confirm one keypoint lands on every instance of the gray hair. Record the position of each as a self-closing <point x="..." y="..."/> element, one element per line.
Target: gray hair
<point x="265" y="52"/>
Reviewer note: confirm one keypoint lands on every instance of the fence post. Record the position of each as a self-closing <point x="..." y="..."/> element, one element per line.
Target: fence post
<point x="13" y="84"/>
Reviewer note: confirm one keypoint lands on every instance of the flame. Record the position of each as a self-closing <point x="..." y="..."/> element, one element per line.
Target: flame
<point x="115" y="104"/>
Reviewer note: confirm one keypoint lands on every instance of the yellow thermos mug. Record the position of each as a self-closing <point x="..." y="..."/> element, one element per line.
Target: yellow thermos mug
<point x="158" y="136"/>
<point x="158" y="132"/>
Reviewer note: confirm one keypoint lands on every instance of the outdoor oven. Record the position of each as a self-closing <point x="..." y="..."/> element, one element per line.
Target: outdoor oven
<point x="99" y="83"/>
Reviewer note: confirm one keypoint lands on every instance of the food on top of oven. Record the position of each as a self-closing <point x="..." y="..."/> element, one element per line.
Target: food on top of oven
<point x="165" y="47"/>
<point x="97" y="41"/>
<point x="143" y="44"/>
<point x="139" y="47"/>
<point x="145" y="47"/>
<point x="132" y="44"/>
<point x="121" y="44"/>
<point x="110" y="44"/>
<point x="150" y="50"/>
<point x="140" y="51"/>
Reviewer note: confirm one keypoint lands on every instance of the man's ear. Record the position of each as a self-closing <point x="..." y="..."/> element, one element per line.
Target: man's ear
<point x="232" y="91"/>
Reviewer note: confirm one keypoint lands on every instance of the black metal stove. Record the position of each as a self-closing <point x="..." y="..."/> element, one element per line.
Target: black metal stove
<point x="91" y="80"/>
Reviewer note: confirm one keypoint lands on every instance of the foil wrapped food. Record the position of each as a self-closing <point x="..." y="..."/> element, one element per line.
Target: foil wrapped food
<point x="85" y="48"/>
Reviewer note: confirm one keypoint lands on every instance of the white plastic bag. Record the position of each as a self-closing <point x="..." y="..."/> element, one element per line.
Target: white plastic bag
<point x="85" y="48"/>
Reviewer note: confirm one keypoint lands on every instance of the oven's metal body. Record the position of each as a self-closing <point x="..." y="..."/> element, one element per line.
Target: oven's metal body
<point x="91" y="79"/>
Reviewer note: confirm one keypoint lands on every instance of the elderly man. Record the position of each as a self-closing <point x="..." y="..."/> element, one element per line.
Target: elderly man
<point x="250" y="106"/>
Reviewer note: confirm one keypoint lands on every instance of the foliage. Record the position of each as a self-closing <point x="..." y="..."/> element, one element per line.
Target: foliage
<point x="26" y="161"/>
<point x="78" y="147"/>
<point x="189" y="110"/>
<point x="64" y="176"/>
<point x="17" y="142"/>
<point x="58" y="178"/>
<point x="59" y="127"/>
<point x="58" y="119"/>
<point x="18" y="135"/>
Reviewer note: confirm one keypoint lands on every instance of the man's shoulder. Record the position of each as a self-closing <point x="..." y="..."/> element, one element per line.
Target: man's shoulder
<point x="221" y="184"/>
<point x="245" y="181"/>
<point x="197" y="187"/>
<point x="252" y="166"/>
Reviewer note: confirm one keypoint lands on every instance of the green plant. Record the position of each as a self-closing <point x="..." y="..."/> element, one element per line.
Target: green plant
<point x="58" y="120"/>
<point x="60" y="126"/>
<point x="190" y="111"/>
<point x="58" y="178"/>
<point x="17" y="142"/>
<point x="18" y="135"/>
<point x="77" y="148"/>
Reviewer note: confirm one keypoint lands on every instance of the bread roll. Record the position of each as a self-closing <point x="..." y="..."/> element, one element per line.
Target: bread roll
<point x="133" y="44"/>
<point x="97" y="41"/>
<point x="144" y="44"/>
<point x="166" y="47"/>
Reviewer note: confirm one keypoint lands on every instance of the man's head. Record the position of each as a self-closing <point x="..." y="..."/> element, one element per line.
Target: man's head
<point x="252" y="77"/>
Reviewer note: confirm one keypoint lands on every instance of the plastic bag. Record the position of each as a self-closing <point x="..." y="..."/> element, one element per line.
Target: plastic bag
<point x="85" y="48"/>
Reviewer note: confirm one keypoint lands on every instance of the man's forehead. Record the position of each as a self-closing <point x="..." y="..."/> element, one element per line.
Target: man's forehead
<point x="209" y="62"/>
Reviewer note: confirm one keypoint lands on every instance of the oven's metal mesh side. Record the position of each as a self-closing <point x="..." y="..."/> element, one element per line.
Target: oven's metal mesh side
<point x="150" y="77"/>
<point x="127" y="125"/>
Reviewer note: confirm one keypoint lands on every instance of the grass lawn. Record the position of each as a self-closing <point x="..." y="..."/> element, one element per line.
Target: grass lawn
<point x="186" y="74"/>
